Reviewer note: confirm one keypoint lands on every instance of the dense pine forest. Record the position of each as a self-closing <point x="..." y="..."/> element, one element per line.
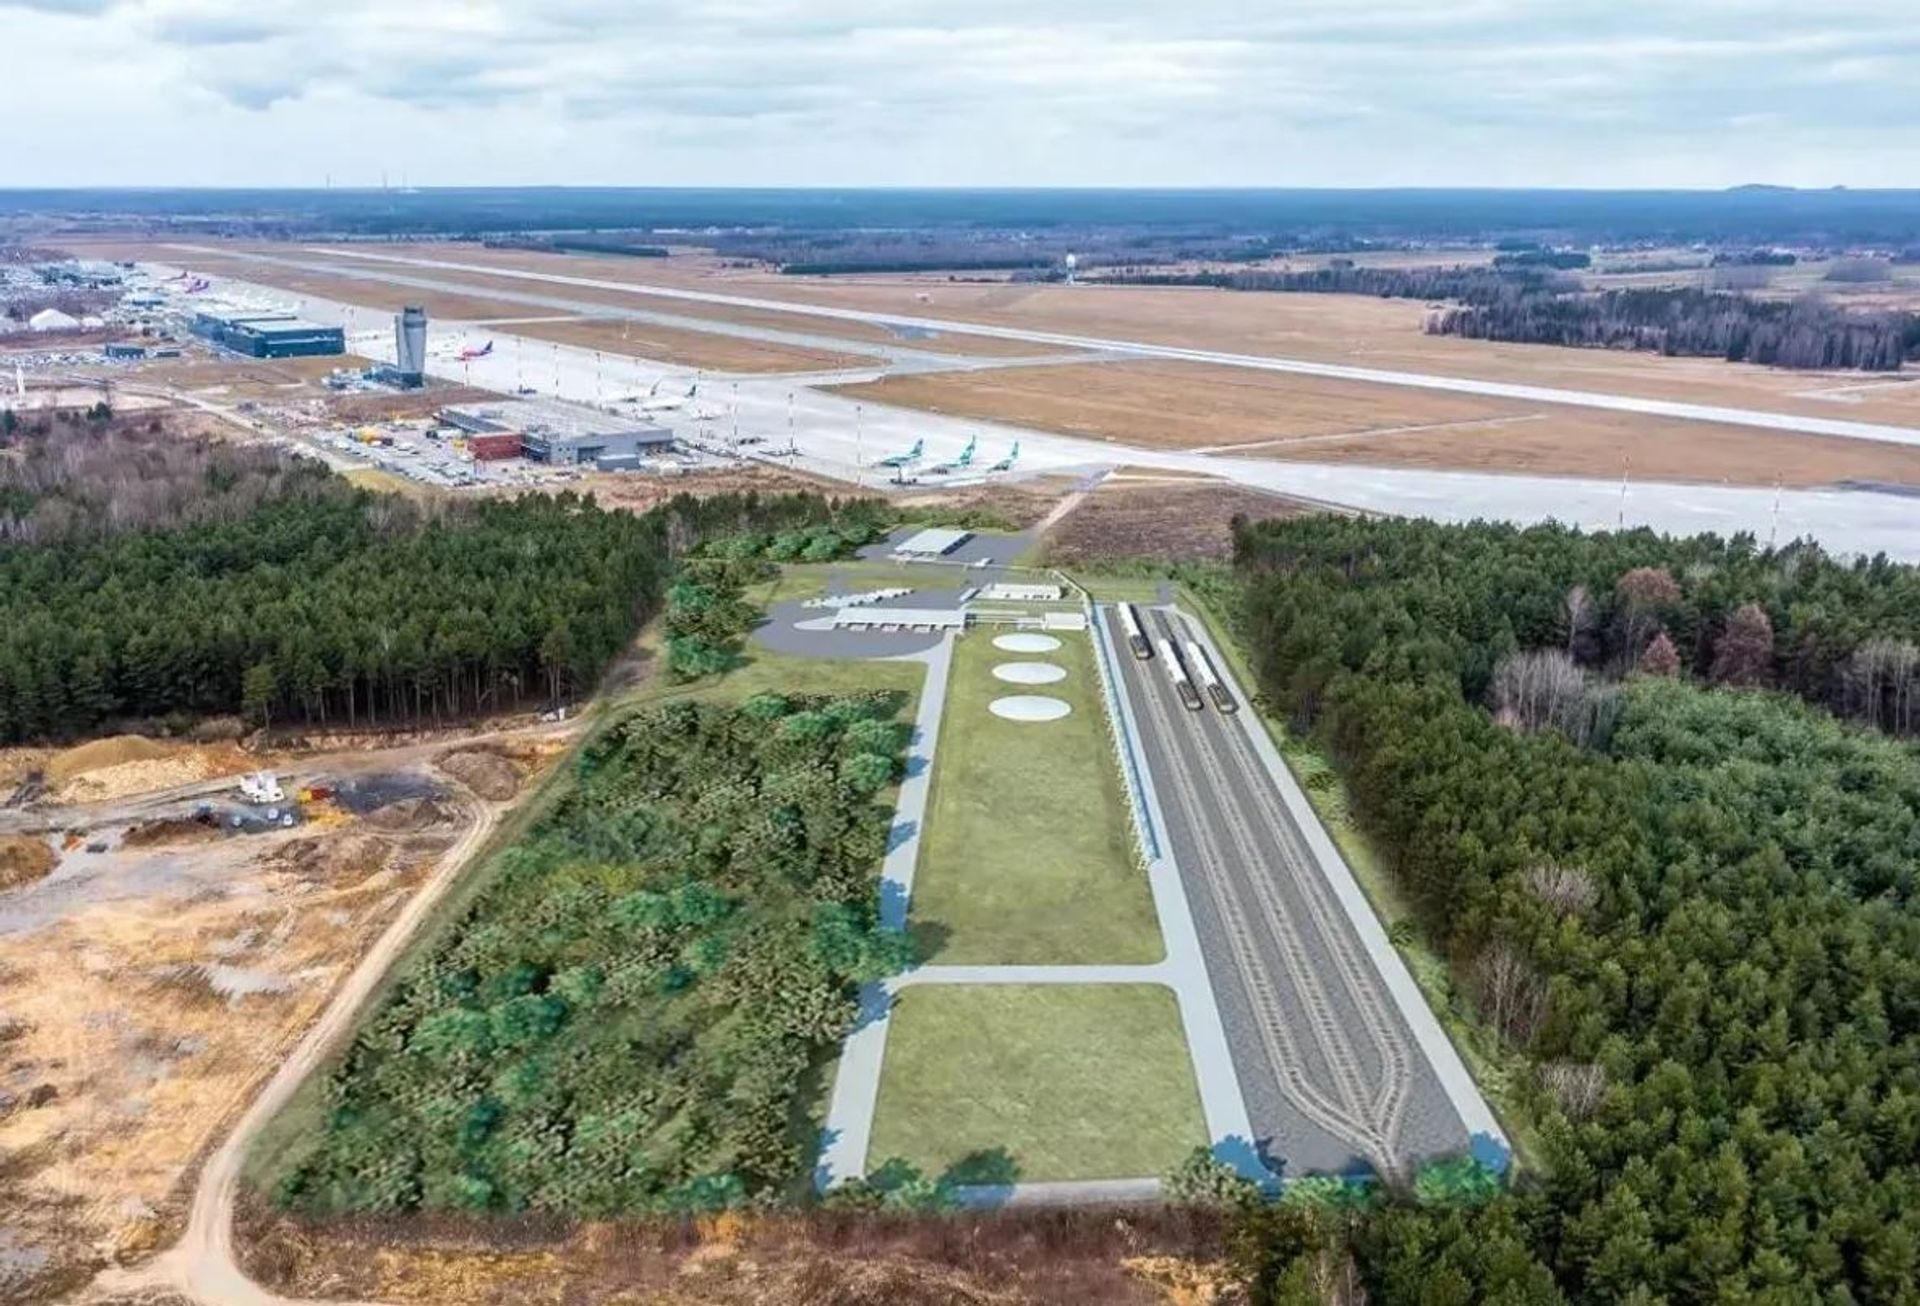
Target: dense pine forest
<point x="1603" y="769"/>
<point x="152" y="579"/>
<point x="1801" y="333"/>
<point x="627" y="1017"/>
<point x="1531" y="303"/>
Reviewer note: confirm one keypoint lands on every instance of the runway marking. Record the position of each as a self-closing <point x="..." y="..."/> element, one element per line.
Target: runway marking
<point x="1336" y="437"/>
<point x="1760" y="418"/>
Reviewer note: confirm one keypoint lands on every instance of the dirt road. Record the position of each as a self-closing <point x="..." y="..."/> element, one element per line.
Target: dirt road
<point x="202" y="1265"/>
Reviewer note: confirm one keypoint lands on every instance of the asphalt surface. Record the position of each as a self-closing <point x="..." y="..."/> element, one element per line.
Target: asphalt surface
<point x="839" y="437"/>
<point x="1333" y="1078"/>
<point x="896" y="322"/>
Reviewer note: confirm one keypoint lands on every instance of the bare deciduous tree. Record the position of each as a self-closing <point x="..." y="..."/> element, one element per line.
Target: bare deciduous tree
<point x="1577" y="1086"/>
<point x="1512" y="995"/>
<point x="1881" y="679"/>
<point x="1580" y="618"/>
<point x="1566" y="889"/>
<point x="1544" y="688"/>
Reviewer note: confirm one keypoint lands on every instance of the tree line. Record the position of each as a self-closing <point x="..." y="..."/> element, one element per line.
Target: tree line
<point x="287" y="595"/>
<point x="1806" y="332"/>
<point x="1683" y="897"/>
<point x="1531" y="302"/>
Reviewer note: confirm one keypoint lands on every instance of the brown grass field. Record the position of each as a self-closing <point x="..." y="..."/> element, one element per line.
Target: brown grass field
<point x="1573" y="442"/>
<point x="387" y="298"/>
<point x="1146" y="515"/>
<point x="1159" y="405"/>
<point x="1117" y="1256"/>
<point x="1330" y="328"/>
<point x="702" y="349"/>
<point x="1313" y="419"/>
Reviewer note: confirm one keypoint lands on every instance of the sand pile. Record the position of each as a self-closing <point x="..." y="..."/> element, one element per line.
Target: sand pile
<point x="129" y="764"/>
<point x="346" y="857"/>
<point x="116" y="750"/>
<point x="488" y="774"/>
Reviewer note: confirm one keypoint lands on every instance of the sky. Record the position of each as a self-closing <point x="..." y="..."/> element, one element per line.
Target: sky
<point x="1604" y="93"/>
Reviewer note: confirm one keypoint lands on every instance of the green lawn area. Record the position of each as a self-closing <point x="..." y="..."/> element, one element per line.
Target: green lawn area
<point x="1073" y="1081"/>
<point x="1028" y="855"/>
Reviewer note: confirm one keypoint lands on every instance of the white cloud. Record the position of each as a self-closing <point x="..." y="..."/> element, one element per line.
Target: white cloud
<point x="1117" y="92"/>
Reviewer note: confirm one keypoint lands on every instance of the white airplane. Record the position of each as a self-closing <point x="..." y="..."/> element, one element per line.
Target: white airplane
<point x="1006" y="464"/>
<point x="960" y="464"/>
<point x="652" y="404"/>
<point x="908" y="458"/>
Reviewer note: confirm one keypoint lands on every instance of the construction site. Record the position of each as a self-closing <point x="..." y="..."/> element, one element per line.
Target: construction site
<point x="175" y="917"/>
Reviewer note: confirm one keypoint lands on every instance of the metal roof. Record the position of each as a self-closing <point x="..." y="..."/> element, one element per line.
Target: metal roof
<point x="933" y="542"/>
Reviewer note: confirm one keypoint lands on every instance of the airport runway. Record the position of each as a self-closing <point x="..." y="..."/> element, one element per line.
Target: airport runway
<point x="1334" y="1079"/>
<point x="842" y="438"/>
<point x="1258" y="362"/>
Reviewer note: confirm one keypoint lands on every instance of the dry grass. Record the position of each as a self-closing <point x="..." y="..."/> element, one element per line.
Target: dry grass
<point x="1126" y="1257"/>
<point x="718" y="353"/>
<point x="1168" y="519"/>
<point x="24" y="860"/>
<point x="1592" y="443"/>
<point x="697" y="272"/>
<point x="639" y="493"/>
<point x="1313" y="419"/>
<point x="241" y="378"/>
<point x="1365" y="331"/>
<point x="1158" y="405"/>
<point x="183" y="974"/>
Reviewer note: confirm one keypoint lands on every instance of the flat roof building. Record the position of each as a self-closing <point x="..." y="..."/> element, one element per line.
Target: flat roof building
<point x="269" y="335"/>
<point x="563" y="434"/>
<point x="931" y="543"/>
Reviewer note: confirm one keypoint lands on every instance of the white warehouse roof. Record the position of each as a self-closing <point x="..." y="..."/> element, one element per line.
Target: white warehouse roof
<point x="933" y="543"/>
<point x="927" y="618"/>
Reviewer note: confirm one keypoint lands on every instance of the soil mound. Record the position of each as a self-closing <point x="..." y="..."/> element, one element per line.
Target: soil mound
<point x="410" y="814"/>
<point x="116" y="750"/>
<point x="488" y="774"/>
<point x="24" y="860"/>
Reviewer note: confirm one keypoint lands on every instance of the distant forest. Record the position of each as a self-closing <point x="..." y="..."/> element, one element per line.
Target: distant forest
<point x="1799" y="333"/>
<point x="1298" y="219"/>
<point x="1536" y="305"/>
<point x="1679" y="895"/>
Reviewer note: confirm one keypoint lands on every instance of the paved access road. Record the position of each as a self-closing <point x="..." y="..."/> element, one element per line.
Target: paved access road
<point x="1334" y="1080"/>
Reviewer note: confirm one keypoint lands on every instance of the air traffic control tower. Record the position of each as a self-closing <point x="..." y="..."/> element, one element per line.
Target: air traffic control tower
<point x="410" y="346"/>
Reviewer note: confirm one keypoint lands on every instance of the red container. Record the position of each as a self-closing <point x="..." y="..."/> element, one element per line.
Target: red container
<point x="502" y="444"/>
